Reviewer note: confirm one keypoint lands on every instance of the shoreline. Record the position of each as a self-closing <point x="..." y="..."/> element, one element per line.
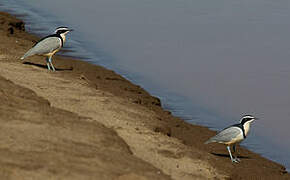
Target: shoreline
<point x="160" y="124"/>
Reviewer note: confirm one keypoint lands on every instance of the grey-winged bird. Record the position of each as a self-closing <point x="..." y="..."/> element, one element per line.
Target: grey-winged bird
<point x="49" y="45"/>
<point x="233" y="135"/>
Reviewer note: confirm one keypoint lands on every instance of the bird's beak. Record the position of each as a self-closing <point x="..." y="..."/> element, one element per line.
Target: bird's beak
<point x="71" y="30"/>
<point x="256" y="118"/>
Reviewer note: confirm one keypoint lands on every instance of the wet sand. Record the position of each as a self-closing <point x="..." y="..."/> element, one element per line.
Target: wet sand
<point x="87" y="122"/>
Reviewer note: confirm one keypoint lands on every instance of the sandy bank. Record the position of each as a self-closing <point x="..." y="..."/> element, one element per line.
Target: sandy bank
<point x="86" y="122"/>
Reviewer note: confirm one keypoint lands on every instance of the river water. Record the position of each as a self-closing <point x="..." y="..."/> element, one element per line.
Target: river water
<point x="210" y="62"/>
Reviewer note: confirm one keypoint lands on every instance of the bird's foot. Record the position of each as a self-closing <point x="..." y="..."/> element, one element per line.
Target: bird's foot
<point x="235" y="160"/>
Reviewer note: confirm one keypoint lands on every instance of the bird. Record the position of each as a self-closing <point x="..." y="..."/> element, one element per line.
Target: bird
<point x="49" y="45"/>
<point x="233" y="135"/>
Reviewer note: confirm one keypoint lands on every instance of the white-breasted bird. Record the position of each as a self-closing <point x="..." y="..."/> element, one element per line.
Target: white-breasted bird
<point x="233" y="135"/>
<point x="49" y="45"/>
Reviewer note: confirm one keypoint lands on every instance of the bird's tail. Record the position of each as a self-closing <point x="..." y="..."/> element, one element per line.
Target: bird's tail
<point x="27" y="54"/>
<point x="209" y="141"/>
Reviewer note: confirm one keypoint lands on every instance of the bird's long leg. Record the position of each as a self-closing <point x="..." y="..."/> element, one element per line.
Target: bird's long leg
<point x="235" y="152"/>
<point x="51" y="64"/>
<point x="233" y="160"/>
<point x="47" y="63"/>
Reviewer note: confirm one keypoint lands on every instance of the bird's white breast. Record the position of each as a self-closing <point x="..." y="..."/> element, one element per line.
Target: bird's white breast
<point x="247" y="126"/>
<point x="63" y="37"/>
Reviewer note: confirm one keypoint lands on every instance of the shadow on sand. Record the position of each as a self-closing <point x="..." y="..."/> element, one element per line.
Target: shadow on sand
<point x="45" y="67"/>
<point x="228" y="156"/>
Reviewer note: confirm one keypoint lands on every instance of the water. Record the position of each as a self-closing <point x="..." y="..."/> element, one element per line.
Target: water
<point x="209" y="61"/>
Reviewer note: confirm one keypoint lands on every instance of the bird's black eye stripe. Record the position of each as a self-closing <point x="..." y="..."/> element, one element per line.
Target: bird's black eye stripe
<point x="61" y="31"/>
<point x="247" y="119"/>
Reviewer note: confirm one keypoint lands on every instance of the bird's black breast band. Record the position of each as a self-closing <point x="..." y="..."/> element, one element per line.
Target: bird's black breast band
<point x="242" y="127"/>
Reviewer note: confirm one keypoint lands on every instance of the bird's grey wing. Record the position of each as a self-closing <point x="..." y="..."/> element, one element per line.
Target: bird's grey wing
<point x="45" y="46"/>
<point x="225" y="135"/>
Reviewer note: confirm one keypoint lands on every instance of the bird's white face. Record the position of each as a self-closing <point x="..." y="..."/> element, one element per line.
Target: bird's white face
<point x="65" y="32"/>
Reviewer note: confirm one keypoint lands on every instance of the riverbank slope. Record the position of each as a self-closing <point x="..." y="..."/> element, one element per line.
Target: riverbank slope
<point x="87" y="122"/>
